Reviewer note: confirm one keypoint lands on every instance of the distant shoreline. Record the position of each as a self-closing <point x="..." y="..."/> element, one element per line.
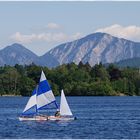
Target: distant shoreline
<point x="117" y="94"/>
<point x="9" y="95"/>
<point x="121" y="95"/>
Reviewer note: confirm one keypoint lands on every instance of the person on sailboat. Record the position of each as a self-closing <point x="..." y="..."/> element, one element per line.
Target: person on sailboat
<point x="57" y="113"/>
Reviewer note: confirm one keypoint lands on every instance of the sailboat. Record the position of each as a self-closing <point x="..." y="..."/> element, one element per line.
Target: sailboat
<point x="65" y="111"/>
<point x="42" y="96"/>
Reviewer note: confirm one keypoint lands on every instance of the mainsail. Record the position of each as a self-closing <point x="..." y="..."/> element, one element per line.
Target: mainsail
<point x="44" y="94"/>
<point x="41" y="96"/>
<point x="64" y="107"/>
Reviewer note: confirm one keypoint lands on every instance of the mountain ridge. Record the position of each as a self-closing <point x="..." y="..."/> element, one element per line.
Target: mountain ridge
<point x="93" y="48"/>
<point x="17" y="54"/>
<point x="96" y="47"/>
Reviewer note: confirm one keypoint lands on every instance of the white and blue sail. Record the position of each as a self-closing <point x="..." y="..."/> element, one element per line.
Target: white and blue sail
<point x="45" y="95"/>
<point x="41" y="97"/>
<point x="31" y="104"/>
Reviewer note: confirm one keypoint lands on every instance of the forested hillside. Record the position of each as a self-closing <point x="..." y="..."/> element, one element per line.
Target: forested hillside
<point x="75" y="79"/>
<point x="132" y="62"/>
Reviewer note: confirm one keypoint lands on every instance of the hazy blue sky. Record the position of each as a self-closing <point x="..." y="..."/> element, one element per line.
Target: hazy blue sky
<point x="40" y="26"/>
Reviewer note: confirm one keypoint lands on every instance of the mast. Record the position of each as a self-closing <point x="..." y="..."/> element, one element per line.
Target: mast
<point x="36" y="99"/>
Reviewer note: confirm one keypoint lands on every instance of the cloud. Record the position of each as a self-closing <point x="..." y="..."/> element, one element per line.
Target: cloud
<point x="23" y="38"/>
<point x="52" y="26"/>
<point x="131" y="32"/>
<point x="48" y="37"/>
<point x="46" y="34"/>
<point x="76" y="36"/>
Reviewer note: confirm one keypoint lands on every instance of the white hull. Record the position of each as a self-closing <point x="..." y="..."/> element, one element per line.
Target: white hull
<point x="46" y="118"/>
<point x="53" y="118"/>
<point x="36" y="118"/>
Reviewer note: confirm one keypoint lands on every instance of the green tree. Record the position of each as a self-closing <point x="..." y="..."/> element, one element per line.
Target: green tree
<point x="99" y="72"/>
<point x="100" y="89"/>
<point x="27" y="85"/>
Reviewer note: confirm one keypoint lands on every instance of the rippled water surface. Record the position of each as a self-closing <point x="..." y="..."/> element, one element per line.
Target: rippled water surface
<point x="98" y="117"/>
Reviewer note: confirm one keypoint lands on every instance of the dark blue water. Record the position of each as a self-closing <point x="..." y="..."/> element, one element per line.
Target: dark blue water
<point x="98" y="117"/>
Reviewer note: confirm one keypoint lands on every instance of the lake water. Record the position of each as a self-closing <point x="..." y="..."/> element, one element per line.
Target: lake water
<point x="98" y="118"/>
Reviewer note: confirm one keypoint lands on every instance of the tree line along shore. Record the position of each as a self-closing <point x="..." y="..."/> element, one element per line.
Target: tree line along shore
<point x="76" y="80"/>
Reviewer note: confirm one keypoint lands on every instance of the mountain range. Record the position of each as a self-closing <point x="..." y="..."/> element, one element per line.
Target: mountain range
<point x="132" y="62"/>
<point x="93" y="48"/>
<point x="17" y="54"/>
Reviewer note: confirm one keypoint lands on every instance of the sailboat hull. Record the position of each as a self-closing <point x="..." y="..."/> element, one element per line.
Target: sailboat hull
<point x="35" y="118"/>
<point x="53" y="118"/>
